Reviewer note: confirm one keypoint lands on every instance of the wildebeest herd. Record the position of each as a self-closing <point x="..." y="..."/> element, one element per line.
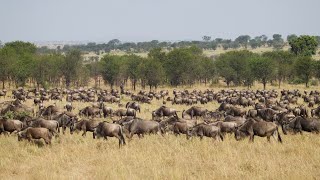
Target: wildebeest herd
<point x="243" y="113"/>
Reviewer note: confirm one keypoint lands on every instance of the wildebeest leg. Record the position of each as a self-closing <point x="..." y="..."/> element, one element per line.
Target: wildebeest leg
<point x="47" y="141"/>
<point x="84" y="131"/>
<point x="268" y="138"/>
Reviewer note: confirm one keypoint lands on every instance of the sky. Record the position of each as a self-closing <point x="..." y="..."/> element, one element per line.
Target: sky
<point x="144" y="20"/>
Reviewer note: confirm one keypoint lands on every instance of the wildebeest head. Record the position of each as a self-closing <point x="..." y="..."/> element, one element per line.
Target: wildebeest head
<point x="238" y="134"/>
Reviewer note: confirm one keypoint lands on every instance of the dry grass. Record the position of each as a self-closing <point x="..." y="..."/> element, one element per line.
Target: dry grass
<point x="157" y="157"/>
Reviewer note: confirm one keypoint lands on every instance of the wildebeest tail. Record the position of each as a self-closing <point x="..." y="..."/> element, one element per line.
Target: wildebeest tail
<point x="279" y="136"/>
<point x="121" y="135"/>
<point x="58" y="127"/>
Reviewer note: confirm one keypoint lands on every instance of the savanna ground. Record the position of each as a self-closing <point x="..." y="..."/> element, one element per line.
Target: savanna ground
<point x="157" y="157"/>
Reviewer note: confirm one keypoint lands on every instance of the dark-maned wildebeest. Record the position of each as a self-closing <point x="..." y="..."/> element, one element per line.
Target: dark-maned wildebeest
<point x="260" y="128"/>
<point x="267" y="114"/>
<point x="195" y="111"/>
<point x="49" y="111"/>
<point x="9" y="125"/>
<point x="64" y="121"/>
<point x="52" y="125"/>
<point x="35" y="133"/>
<point x="205" y="130"/>
<point x="182" y="126"/>
<point x="90" y="111"/>
<point x="164" y="111"/>
<point x="300" y="123"/>
<point x="105" y="129"/>
<point x="84" y="125"/>
<point x="133" y="105"/>
<point x="141" y="127"/>
<point x="226" y="127"/>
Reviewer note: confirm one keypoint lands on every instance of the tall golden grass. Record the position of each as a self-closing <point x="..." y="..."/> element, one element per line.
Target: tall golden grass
<point x="157" y="157"/>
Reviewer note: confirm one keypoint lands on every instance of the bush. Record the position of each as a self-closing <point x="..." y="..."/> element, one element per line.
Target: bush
<point x="314" y="82"/>
<point x="296" y="80"/>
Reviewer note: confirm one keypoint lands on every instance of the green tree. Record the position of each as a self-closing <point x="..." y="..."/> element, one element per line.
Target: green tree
<point x="304" y="45"/>
<point x="154" y="73"/>
<point x="283" y="61"/>
<point x="233" y="66"/>
<point x="133" y="62"/>
<point x="277" y="41"/>
<point x="110" y="68"/>
<point x="243" y="40"/>
<point x="23" y="61"/>
<point x="291" y="37"/>
<point x="263" y="69"/>
<point x="303" y="67"/>
<point x="72" y="64"/>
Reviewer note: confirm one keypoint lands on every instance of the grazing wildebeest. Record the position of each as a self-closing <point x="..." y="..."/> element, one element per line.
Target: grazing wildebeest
<point x="205" y="130"/>
<point x="141" y="127"/>
<point x="301" y="123"/>
<point x="133" y="105"/>
<point x="90" y="111"/>
<point x="10" y="125"/>
<point x="260" y="128"/>
<point x="105" y="129"/>
<point x="49" y="111"/>
<point x="195" y="111"/>
<point x="164" y="111"/>
<point x="182" y="126"/>
<point x="64" y="121"/>
<point x="69" y="107"/>
<point x="52" y="125"/>
<point x="226" y="127"/>
<point x="84" y="125"/>
<point x="266" y="114"/>
<point x="35" y="133"/>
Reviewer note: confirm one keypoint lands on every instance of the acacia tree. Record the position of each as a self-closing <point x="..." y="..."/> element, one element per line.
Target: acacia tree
<point x="303" y="67"/>
<point x="133" y="62"/>
<point x="151" y="72"/>
<point x="7" y="58"/>
<point x="23" y="61"/>
<point x="72" y="64"/>
<point x="263" y="69"/>
<point x="304" y="45"/>
<point x="233" y="66"/>
<point x="283" y="61"/>
<point x="110" y="68"/>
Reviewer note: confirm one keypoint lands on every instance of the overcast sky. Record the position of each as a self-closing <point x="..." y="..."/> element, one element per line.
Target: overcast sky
<point x="143" y="20"/>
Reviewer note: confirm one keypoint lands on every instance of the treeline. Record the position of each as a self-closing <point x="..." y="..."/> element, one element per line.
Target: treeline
<point x="21" y="64"/>
<point x="244" y="41"/>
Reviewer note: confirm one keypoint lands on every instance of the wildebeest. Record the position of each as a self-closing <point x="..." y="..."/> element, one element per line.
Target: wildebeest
<point x="90" y="111"/>
<point x="205" y="130"/>
<point x="84" y="125"/>
<point x="260" y="128"/>
<point x="301" y="123"/>
<point x="182" y="126"/>
<point x="141" y="127"/>
<point x="133" y="105"/>
<point x="10" y="125"/>
<point x="35" y="133"/>
<point x="195" y="111"/>
<point x="52" y="125"/>
<point x="105" y="129"/>
<point x="164" y="111"/>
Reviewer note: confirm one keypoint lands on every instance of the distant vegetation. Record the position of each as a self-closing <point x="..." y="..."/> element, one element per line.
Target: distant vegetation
<point x="22" y="63"/>
<point x="244" y="41"/>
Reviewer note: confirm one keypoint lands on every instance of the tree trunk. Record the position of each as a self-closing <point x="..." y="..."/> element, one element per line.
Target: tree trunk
<point x="279" y="83"/>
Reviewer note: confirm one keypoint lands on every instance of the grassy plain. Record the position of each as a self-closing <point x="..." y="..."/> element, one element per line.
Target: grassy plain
<point x="156" y="157"/>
